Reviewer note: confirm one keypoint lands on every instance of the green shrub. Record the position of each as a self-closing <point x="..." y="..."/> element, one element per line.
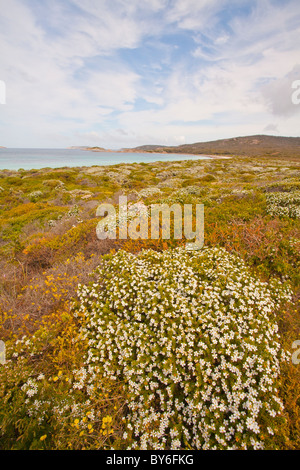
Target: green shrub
<point x="208" y="178"/>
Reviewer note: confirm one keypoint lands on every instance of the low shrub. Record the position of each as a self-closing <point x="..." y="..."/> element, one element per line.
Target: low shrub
<point x="43" y="402"/>
<point x="194" y="338"/>
<point x="284" y="204"/>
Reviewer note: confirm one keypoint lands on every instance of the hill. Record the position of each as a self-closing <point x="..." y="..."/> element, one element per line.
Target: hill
<point x="93" y="149"/>
<point x="257" y="145"/>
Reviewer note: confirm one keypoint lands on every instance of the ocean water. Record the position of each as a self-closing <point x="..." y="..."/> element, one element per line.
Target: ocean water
<point x="28" y="159"/>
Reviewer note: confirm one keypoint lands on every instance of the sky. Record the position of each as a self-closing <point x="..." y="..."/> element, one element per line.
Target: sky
<point x="123" y="73"/>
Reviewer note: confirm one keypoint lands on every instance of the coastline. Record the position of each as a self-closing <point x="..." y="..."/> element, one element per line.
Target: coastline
<point x="100" y="150"/>
<point x="26" y="159"/>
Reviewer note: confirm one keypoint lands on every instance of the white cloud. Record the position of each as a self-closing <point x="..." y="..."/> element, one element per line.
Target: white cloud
<point x="193" y="14"/>
<point x="66" y="78"/>
<point x="43" y="88"/>
<point x="271" y="128"/>
<point x="278" y="94"/>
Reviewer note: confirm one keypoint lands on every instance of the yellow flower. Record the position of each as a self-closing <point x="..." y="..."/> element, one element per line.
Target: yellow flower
<point x="42" y="438"/>
<point x="107" y="419"/>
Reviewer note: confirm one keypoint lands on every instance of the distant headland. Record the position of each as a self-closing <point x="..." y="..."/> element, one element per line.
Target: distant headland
<point x="91" y="149"/>
<point x="251" y="146"/>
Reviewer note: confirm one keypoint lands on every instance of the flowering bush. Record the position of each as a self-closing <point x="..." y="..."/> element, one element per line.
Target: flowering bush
<point x="188" y="195"/>
<point x="194" y="338"/>
<point x="284" y="204"/>
<point x="35" y="195"/>
<point x="43" y="401"/>
<point x="149" y="192"/>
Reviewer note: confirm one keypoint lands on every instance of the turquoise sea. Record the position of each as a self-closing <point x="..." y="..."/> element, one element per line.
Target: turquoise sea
<point x="15" y="159"/>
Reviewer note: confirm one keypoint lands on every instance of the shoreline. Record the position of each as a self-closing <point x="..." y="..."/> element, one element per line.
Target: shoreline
<point x="152" y="153"/>
<point x="36" y="160"/>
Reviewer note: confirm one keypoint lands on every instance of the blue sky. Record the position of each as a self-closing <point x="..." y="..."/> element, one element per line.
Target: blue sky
<point x="118" y="73"/>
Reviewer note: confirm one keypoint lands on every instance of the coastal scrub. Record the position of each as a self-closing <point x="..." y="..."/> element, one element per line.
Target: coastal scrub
<point x="193" y="337"/>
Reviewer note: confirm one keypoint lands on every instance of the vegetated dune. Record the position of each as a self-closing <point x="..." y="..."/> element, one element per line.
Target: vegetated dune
<point x="137" y="343"/>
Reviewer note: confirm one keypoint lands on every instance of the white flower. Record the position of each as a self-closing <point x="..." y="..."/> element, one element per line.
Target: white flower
<point x="193" y="336"/>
